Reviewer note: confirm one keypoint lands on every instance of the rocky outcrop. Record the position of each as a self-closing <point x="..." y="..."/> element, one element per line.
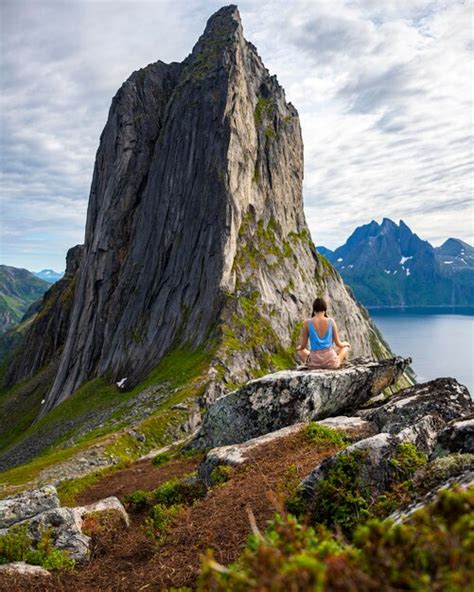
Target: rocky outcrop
<point x="195" y="229"/>
<point x="458" y="435"/>
<point x="27" y="504"/>
<point x="418" y="416"/>
<point x="442" y="397"/>
<point x="40" y="510"/>
<point x="291" y="396"/>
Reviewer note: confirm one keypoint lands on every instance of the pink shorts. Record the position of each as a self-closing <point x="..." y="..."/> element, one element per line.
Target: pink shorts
<point x="323" y="358"/>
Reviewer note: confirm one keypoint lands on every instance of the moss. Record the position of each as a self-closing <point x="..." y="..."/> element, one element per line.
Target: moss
<point x="161" y="458"/>
<point x="263" y="108"/>
<point x="157" y="523"/>
<point x="179" y="491"/>
<point x="407" y="461"/>
<point x="221" y="474"/>
<point x="324" y="437"/>
<point x="270" y="133"/>
<point x="138" y="500"/>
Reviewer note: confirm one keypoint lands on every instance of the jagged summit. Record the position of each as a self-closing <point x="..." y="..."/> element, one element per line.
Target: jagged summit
<point x="195" y="233"/>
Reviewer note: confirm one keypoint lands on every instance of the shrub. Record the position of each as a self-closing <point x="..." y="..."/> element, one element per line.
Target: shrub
<point x="407" y="461"/>
<point x="178" y="491"/>
<point x="431" y="552"/>
<point x="341" y="497"/>
<point x="325" y="437"/>
<point x="161" y="458"/>
<point x="156" y="524"/>
<point x="14" y="544"/>
<point x="221" y="474"/>
<point x="17" y="545"/>
<point x="138" y="500"/>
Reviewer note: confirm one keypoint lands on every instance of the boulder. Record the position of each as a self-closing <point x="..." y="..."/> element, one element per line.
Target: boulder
<point x="23" y="569"/>
<point x="375" y="467"/>
<point x="41" y="510"/>
<point x="284" y="398"/>
<point x="237" y="454"/>
<point x="27" y="504"/>
<point x="442" y="397"/>
<point x="458" y="436"/>
<point x="65" y="531"/>
<point x="104" y="505"/>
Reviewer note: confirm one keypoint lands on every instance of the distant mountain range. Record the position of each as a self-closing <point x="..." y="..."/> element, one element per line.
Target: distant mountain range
<point x="388" y="265"/>
<point x="19" y="289"/>
<point x="48" y="275"/>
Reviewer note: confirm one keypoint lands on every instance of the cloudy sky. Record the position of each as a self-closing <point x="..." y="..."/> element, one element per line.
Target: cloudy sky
<point x="383" y="90"/>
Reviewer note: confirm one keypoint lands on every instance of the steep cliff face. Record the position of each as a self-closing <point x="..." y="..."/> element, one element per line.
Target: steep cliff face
<point x="195" y="230"/>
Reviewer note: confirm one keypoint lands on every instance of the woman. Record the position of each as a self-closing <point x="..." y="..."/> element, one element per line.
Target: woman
<point x="322" y="333"/>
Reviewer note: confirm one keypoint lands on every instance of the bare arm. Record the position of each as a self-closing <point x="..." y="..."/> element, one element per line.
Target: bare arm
<point x="304" y="334"/>
<point x="336" y="336"/>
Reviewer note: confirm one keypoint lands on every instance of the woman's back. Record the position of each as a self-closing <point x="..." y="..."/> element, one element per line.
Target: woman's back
<point x="320" y="333"/>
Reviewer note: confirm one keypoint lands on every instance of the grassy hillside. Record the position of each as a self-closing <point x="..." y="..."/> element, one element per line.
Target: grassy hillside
<point x="18" y="290"/>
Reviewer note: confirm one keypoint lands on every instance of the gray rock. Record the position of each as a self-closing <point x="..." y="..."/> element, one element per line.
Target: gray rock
<point x="22" y="506"/>
<point x="66" y="532"/>
<point x="458" y="436"/>
<point x="237" y="454"/>
<point x="442" y="397"/>
<point x="291" y="396"/>
<point x="23" y="569"/>
<point x="376" y="470"/>
<point x="104" y="505"/>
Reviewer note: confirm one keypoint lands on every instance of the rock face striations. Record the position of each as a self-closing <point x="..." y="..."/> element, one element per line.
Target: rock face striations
<point x="195" y="233"/>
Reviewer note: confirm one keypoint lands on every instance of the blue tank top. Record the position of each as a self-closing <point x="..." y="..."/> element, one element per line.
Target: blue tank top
<point x="317" y="342"/>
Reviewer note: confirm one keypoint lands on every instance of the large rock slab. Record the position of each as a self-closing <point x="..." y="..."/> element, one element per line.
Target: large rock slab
<point x="27" y="504"/>
<point x="284" y="398"/>
<point x="442" y="397"/>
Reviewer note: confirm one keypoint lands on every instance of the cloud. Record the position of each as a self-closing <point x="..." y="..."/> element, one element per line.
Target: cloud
<point x="383" y="90"/>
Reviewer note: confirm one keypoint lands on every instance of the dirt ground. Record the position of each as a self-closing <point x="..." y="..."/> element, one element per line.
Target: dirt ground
<point x="126" y="560"/>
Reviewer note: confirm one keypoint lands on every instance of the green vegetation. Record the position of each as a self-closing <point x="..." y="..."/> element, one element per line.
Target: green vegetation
<point x="344" y="498"/>
<point x="69" y="489"/>
<point x="263" y="108"/>
<point x="407" y="460"/>
<point x="138" y="500"/>
<point x="221" y="474"/>
<point x="182" y="371"/>
<point x="17" y="545"/>
<point x="431" y="552"/>
<point x="161" y="458"/>
<point x="179" y="491"/>
<point x="325" y="437"/>
<point x="157" y="523"/>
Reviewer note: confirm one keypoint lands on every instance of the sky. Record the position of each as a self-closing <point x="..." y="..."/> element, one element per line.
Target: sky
<point x="383" y="89"/>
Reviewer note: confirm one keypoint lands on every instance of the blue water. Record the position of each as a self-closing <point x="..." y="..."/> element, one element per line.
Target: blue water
<point x="439" y="340"/>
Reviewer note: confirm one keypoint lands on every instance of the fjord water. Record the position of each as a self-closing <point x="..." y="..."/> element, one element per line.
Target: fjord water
<point x="440" y="340"/>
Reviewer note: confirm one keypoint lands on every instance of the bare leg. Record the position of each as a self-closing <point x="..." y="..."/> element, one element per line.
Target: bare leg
<point x="342" y="353"/>
<point x="303" y="355"/>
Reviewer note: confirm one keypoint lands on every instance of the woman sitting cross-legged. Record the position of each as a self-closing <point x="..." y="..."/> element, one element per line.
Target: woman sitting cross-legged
<point x="326" y="351"/>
